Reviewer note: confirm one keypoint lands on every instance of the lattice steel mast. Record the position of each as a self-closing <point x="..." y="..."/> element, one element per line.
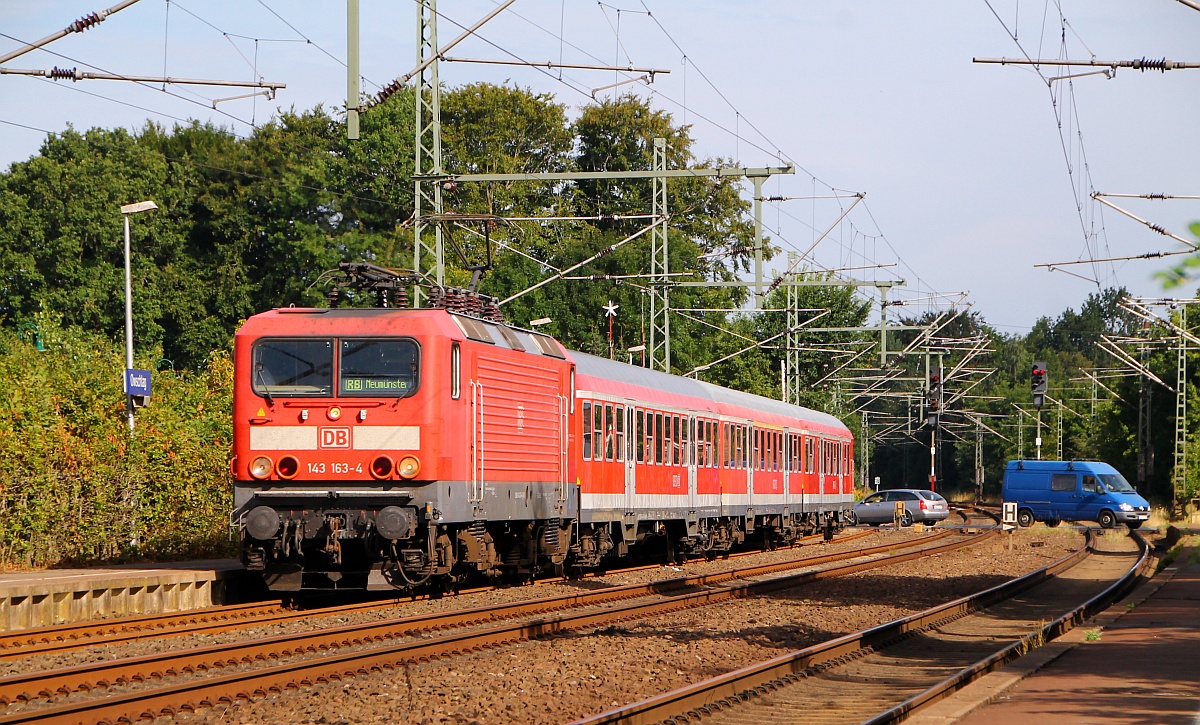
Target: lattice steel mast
<point x="428" y="254"/>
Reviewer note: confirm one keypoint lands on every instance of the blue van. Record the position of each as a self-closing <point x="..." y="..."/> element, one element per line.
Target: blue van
<point x="1054" y="491"/>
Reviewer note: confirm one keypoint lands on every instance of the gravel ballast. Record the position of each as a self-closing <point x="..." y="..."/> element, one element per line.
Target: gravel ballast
<point x="571" y="676"/>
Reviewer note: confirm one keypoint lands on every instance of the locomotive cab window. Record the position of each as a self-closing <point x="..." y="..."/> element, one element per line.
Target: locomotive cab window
<point x="293" y="367"/>
<point x="388" y="368"/>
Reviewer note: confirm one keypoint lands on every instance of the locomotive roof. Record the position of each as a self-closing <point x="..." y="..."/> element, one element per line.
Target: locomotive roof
<point x="587" y="365"/>
<point x="620" y="372"/>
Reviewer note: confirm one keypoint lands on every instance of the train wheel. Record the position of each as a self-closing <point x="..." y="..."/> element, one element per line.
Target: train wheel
<point x="851" y="518"/>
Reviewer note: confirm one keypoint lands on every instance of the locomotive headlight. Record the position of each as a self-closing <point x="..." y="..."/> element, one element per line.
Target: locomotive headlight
<point x="334" y="413"/>
<point x="261" y="467"/>
<point x="409" y="467"/>
<point x="262" y="522"/>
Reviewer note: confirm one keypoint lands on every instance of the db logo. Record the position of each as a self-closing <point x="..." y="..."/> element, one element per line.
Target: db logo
<point x="335" y="437"/>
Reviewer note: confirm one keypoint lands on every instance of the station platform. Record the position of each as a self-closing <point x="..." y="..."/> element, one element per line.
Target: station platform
<point x="1138" y="662"/>
<point x="58" y="596"/>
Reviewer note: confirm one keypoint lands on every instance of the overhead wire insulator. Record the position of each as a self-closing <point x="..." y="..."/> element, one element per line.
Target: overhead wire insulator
<point x="388" y="91"/>
<point x="63" y="73"/>
<point x="86" y="22"/>
<point x="1160" y="64"/>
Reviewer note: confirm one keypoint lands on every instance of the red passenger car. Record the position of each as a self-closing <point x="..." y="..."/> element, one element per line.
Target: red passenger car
<point x="381" y="448"/>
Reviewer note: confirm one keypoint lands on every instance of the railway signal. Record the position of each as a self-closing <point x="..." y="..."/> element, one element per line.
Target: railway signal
<point x="933" y="404"/>
<point x="1039" y="383"/>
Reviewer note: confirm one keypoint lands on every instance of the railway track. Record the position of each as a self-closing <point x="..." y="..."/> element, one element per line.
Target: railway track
<point x="367" y="648"/>
<point x="884" y="674"/>
<point x="216" y="620"/>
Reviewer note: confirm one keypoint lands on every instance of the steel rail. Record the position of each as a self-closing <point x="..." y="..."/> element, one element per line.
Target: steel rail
<point x="85" y="633"/>
<point x="336" y="666"/>
<point x="215" y="620"/>
<point x="694" y="701"/>
<point x="30" y="686"/>
<point x="1053" y="630"/>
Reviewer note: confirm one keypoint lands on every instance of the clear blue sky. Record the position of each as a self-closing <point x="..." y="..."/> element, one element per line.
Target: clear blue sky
<point x="964" y="166"/>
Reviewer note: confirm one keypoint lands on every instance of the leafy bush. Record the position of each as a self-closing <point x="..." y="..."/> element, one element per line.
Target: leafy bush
<point x="76" y="487"/>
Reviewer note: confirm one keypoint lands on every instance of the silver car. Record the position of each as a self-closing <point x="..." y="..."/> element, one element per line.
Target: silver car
<point x="919" y="505"/>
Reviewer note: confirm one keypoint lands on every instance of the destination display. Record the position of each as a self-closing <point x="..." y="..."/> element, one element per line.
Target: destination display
<point x="375" y="385"/>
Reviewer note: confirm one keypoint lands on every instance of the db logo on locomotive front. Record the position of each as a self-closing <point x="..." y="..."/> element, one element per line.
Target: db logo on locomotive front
<point x="334" y="437"/>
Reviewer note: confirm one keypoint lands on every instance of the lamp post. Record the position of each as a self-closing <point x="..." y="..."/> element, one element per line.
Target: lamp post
<point x="126" y="211"/>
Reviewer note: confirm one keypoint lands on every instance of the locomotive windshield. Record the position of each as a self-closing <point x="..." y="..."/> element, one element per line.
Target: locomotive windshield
<point x="385" y="368"/>
<point x="293" y="367"/>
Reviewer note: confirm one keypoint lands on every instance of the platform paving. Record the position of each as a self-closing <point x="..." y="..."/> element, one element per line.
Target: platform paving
<point x="59" y="596"/>
<point x="1138" y="663"/>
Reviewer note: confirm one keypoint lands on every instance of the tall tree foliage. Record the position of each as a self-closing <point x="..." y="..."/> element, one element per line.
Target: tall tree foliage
<point x="247" y="224"/>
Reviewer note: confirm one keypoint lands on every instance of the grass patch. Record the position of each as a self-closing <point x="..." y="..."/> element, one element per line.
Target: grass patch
<point x="1093" y="635"/>
<point x="1033" y="641"/>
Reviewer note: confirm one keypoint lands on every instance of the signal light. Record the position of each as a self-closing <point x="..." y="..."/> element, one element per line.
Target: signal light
<point x="382" y="467"/>
<point x="1039" y="383"/>
<point x="288" y="467"/>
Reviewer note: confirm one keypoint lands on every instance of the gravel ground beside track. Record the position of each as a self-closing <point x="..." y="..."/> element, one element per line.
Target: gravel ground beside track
<point x="407" y="608"/>
<point x="560" y="679"/>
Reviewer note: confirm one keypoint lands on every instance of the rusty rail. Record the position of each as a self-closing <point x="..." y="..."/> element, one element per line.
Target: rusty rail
<point x="692" y="702"/>
<point x="215" y="620"/>
<point x="334" y="666"/>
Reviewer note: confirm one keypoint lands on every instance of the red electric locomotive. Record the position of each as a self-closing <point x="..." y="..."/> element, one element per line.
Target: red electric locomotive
<point x="386" y="448"/>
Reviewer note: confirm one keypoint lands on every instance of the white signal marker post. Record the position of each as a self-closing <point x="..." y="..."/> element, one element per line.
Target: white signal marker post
<point x="610" y="311"/>
<point x="1008" y="520"/>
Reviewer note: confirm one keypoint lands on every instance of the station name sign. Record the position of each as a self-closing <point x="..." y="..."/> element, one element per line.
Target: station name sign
<point x="137" y="382"/>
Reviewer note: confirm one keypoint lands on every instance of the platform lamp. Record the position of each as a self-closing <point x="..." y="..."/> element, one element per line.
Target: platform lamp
<point x="126" y="211"/>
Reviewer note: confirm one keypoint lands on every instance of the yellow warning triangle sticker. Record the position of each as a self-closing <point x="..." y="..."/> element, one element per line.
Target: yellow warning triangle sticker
<point x="262" y="413"/>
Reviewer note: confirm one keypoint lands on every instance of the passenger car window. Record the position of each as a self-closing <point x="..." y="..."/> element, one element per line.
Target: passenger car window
<point x="1091" y="485"/>
<point x="587" y="431"/>
<point x="1063" y="481"/>
<point x="874" y="498"/>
